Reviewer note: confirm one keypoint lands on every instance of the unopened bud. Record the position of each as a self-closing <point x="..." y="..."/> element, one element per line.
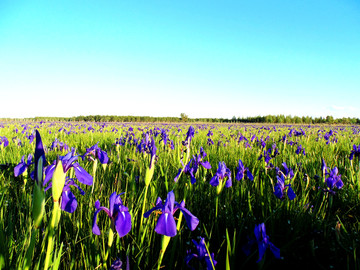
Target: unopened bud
<point x="58" y="181"/>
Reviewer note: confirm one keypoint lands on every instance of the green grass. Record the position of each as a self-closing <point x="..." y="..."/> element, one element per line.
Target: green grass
<point x="315" y="228"/>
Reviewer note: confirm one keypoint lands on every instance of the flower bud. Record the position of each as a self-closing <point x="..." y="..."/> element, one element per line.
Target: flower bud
<point x="58" y="181"/>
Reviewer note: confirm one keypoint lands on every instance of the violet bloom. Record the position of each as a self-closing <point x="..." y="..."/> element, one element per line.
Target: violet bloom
<point x="4" y="141"/>
<point x="166" y="223"/>
<point x="285" y="171"/>
<point x="56" y="144"/>
<point x="23" y="166"/>
<point x="266" y="156"/>
<point x="68" y="200"/>
<point x="220" y="175"/>
<point x="69" y="161"/>
<point x="201" y="255"/>
<point x="210" y="141"/>
<point x="118" y="213"/>
<point x="355" y="152"/>
<point x="242" y="170"/>
<point x="262" y="239"/>
<point x="333" y="179"/>
<point x="193" y="165"/>
<point x="189" y="135"/>
<point x="280" y="188"/>
<point x="96" y="152"/>
<point x="300" y="150"/>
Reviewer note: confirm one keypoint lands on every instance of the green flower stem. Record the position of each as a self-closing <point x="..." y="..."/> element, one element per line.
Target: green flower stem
<point x="164" y="244"/>
<point x="55" y="218"/>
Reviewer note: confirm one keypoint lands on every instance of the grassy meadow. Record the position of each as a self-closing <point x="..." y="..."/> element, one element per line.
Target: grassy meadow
<point x="318" y="227"/>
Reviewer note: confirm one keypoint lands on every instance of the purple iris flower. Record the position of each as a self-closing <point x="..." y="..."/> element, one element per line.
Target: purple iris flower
<point x="221" y="173"/>
<point x="210" y="141"/>
<point x="68" y="200"/>
<point x="189" y="135"/>
<point x="266" y="156"/>
<point x="96" y="152"/>
<point x="4" y="141"/>
<point x="285" y="171"/>
<point x="355" y="152"/>
<point x="242" y="171"/>
<point x="56" y="144"/>
<point x="166" y="223"/>
<point x="152" y="151"/>
<point x="333" y="179"/>
<point x="118" y="213"/>
<point x="262" y="239"/>
<point x="201" y="255"/>
<point x="280" y="188"/>
<point x="69" y="161"/>
<point x="23" y="166"/>
<point x="300" y="150"/>
<point x="193" y="165"/>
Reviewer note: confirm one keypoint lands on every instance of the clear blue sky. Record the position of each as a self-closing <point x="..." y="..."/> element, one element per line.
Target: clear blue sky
<point x="162" y="58"/>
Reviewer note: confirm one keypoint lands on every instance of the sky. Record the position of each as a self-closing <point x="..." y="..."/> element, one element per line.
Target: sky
<point x="214" y="59"/>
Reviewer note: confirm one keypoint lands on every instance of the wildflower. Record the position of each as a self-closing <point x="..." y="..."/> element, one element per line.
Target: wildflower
<point x="96" y="152"/>
<point x="56" y="144"/>
<point x="266" y="156"/>
<point x="68" y="200"/>
<point x="4" y="141"/>
<point x="192" y="167"/>
<point x="220" y="175"/>
<point x="285" y="171"/>
<point x="280" y="188"/>
<point x="333" y="179"/>
<point x="118" y="213"/>
<point x="241" y="172"/>
<point x="262" y="239"/>
<point x="202" y="255"/>
<point x="189" y="135"/>
<point x="23" y="166"/>
<point x="166" y="223"/>
<point x="300" y="149"/>
<point x="68" y="162"/>
<point x="355" y="152"/>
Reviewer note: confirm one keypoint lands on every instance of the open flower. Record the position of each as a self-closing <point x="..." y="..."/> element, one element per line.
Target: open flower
<point x="201" y="255"/>
<point x="242" y="171"/>
<point x="221" y="173"/>
<point x="333" y="179"/>
<point x="262" y="239"/>
<point x="166" y="223"/>
<point x="68" y="201"/>
<point x="280" y="188"/>
<point x="96" y="152"/>
<point x="69" y="161"/>
<point x="117" y="212"/>
<point x="193" y="165"/>
<point x="23" y="166"/>
<point x="355" y="152"/>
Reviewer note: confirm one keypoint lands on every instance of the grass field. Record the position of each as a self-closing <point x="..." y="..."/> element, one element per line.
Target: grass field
<point x="288" y="182"/>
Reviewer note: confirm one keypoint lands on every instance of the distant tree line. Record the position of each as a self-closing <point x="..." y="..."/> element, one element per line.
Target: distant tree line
<point x="281" y="119"/>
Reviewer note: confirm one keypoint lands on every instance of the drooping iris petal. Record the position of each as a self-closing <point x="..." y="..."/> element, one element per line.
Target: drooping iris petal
<point x="83" y="176"/>
<point x="191" y="220"/>
<point x="290" y="192"/>
<point x="68" y="201"/>
<point x="249" y="175"/>
<point x="214" y="181"/>
<point x="166" y="225"/>
<point x="123" y="221"/>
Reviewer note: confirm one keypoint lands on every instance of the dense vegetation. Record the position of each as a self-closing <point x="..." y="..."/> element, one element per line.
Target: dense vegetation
<point x="301" y="182"/>
<point x="277" y="119"/>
